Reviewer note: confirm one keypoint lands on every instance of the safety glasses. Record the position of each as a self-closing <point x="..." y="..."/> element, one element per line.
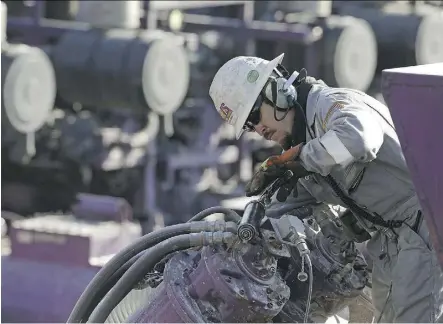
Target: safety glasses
<point x="254" y="116"/>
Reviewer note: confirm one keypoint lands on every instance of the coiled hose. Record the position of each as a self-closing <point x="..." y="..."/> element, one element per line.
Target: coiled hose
<point x="147" y="261"/>
<point x="106" y="278"/>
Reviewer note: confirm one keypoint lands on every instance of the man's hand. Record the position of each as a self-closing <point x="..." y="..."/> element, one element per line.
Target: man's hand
<point x="273" y="168"/>
<point x="263" y="178"/>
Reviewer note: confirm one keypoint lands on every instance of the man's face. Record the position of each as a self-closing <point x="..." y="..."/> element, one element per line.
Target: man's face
<point x="273" y="130"/>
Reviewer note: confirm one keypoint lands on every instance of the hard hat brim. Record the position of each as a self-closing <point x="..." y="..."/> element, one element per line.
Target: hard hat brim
<point x="253" y="96"/>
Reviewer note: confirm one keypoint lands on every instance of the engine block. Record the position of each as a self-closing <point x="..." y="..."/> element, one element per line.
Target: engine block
<point x="213" y="286"/>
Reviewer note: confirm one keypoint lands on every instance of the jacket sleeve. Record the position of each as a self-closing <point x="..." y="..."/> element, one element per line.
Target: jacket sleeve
<point x="302" y="206"/>
<point x="303" y="200"/>
<point x="353" y="133"/>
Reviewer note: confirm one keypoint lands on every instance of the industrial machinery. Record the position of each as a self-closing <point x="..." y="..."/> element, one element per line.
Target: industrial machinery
<point x="402" y="27"/>
<point x="110" y="130"/>
<point x="110" y="85"/>
<point x="249" y="269"/>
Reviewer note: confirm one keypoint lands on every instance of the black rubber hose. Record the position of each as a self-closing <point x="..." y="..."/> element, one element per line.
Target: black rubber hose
<point x="145" y="264"/>
<point x="113" y="279"/>
<point x="99" y="285"/>
<point x="229" y="213"/>
<point x="93" y="292"/>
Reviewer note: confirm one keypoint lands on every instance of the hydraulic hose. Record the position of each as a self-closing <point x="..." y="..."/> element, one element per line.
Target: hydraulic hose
<point x="113" y="279"/>
<point x="229" y="213"/>
<point x="147" y="261"/>
<point x="99" y="285"/>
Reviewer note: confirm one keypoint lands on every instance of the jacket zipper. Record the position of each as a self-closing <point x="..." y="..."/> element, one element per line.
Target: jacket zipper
<point x="355" y="184"/>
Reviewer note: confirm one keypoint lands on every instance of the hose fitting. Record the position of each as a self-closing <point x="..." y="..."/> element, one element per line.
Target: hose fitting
<point x="212" y="238"/>
<point x="213" y="226"/>
<point x="249" y="226"/>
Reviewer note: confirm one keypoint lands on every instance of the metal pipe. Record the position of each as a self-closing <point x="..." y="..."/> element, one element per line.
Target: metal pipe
<point x="192" y="23"/>
<point x="47" y="27"/>
<point x="170" y="5"/>
<point x="103" y="208"/>
<point x="38" y="11"/>
<point x="255" y="29"/>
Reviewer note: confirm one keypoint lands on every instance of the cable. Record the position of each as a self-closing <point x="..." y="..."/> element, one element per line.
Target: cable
<point x="310" y="288"/>
<point x="357" y="210"/>
<point x="145" y="264"/>
<point x="298" y="239"/>
<point x="100" y="284"/>
<point x="229" y="213"/>
<point x="385" y="304"/>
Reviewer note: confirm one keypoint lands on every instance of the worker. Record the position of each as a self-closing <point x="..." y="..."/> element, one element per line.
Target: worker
<point x="342" y="148"/>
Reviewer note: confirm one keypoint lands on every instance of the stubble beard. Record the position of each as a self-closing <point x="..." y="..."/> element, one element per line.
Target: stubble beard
<point x="286" y="143"/>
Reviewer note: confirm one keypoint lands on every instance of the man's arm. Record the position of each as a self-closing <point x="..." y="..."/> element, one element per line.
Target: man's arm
<point x="303" y="199"/>
<point x="353" y="133"/>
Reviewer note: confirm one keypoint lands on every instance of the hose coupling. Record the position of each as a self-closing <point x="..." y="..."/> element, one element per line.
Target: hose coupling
<point x="214" y="226"/>
<point x="214" y="238"/>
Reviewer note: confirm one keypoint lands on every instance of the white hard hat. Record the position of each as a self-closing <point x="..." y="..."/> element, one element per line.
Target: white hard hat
<point x="237" y="85"/>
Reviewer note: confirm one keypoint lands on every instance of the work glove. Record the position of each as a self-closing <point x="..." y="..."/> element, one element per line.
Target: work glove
<point x="275" y="167"/>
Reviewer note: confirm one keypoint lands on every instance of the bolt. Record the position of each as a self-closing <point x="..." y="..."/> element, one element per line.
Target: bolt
<point x="268" y="291"/>
<point x="229" y="279"/>
<point x="270" y="305"/>
<point x="279" y="303"/>
<point x="302" y="276"/>
<point x="241" y="292"/>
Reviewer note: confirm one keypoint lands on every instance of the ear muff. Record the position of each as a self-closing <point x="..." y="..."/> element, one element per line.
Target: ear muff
<point x="276" y="94"/>
<point x="280" y="91"/>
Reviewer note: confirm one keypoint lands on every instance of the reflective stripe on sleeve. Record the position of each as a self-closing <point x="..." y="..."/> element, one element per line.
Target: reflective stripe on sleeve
<point x="336" y="148"/>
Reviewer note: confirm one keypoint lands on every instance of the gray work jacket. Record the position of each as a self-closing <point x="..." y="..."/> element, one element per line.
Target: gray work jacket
<point x="356" y="143"/>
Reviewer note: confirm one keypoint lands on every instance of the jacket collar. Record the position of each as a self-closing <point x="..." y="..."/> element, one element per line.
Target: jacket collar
<point x="307" y="97"/>
<point x="311" y="105"/>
